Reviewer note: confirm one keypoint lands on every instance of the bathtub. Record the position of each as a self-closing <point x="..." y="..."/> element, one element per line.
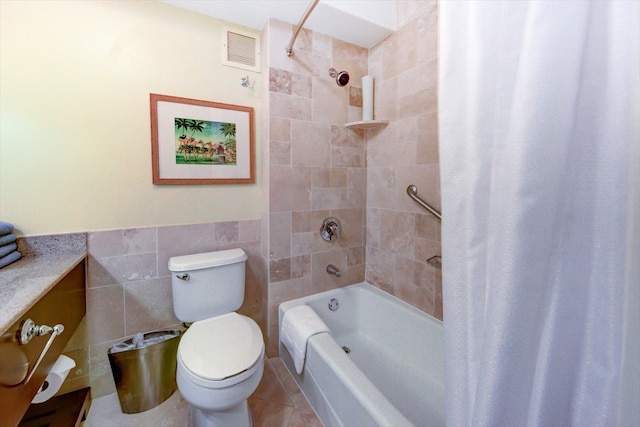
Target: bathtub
<point x="381" y="365"/>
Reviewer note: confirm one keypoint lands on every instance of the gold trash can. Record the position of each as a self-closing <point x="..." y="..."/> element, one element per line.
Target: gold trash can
<point x="144" y="369"/>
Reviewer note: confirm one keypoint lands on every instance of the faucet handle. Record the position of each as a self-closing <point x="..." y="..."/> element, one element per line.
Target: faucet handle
<point x="330" y="229"/>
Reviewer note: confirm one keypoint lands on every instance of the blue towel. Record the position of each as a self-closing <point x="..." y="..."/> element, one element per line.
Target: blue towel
<point x="5" y="228"/>
<point x="7" y="249"/>
<point x="12" y="257"/>
<point x="7" y="238"/>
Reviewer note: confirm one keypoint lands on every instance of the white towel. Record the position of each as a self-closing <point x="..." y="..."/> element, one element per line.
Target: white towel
<point x="298" y="325"/>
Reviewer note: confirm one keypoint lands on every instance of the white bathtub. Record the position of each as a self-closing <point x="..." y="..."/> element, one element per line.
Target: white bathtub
<point x="393" y="374"/>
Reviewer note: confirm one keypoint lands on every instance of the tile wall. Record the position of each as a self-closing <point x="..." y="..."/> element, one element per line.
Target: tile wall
<point x="401" y="236"/>
<point x="129" y="288"/>
<point x="316" y="167"/>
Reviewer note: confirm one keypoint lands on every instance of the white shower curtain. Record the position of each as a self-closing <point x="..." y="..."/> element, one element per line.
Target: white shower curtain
<point x="539" y="167"/>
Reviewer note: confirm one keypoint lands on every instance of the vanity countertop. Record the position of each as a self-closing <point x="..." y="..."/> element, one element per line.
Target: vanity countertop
<point x="24" y="282"/>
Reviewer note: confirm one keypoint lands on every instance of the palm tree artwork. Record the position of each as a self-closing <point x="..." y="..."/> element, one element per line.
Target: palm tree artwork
<point x="202" y="142"/>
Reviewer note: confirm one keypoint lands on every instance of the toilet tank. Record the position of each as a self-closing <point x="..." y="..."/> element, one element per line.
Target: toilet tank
<point x="207" y="284"/>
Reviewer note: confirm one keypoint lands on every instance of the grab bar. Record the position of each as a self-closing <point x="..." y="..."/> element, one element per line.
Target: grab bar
<point x="412" y="191"/>
<point x="299" y="27"/>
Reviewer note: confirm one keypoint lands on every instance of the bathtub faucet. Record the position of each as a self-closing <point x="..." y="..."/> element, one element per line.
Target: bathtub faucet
<point x="332" y="269"/>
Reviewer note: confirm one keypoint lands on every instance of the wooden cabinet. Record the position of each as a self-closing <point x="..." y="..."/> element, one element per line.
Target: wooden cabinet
<point x="64" y="303"/>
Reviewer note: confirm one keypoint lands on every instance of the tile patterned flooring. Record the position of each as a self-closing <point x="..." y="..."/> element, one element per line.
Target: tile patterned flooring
<point x="278" y="402"/>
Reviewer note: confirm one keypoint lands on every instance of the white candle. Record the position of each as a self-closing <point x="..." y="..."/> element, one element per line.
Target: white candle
<point x="367" y="98"/>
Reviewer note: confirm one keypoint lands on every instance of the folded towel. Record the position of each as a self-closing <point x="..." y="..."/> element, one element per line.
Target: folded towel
<point x="298" y="325"/>
<point x="5" y="228"/>
<point x="7" y="238"/>
<point x="8" y="259"/>
<point x="7" y="249"/>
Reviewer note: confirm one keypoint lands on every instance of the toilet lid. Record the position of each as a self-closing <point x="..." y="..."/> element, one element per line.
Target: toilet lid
<point x="221" y="347"/>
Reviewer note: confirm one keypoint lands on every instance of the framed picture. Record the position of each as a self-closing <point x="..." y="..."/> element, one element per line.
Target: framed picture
<point x="201" y="142"/>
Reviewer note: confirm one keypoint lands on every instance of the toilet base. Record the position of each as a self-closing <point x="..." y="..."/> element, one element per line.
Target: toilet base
<point x="236" y="416"/>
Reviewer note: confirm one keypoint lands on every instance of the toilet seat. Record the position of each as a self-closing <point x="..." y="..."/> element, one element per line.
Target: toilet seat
<point x="221" y="351"/>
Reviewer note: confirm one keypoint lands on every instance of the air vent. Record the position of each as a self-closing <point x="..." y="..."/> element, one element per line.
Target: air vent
<point x="241" y="49"/>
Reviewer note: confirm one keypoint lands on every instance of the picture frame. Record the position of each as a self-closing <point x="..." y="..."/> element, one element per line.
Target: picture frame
<point x="201" y="142"/>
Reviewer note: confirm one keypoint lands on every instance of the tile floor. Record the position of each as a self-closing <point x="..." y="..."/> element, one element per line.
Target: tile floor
<point x="278" y="402"/>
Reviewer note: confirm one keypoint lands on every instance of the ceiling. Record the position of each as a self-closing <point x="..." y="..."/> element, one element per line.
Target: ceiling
<point x="361" y="22"/>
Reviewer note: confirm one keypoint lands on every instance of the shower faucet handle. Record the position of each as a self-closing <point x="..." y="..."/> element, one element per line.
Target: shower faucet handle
<point x="330" y="229"/>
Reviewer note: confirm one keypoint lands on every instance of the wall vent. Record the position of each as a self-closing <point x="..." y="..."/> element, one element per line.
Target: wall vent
<point x="241" y="49"/>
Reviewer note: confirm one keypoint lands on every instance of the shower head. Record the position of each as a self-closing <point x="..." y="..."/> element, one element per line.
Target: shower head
<point x="342" y="77"/>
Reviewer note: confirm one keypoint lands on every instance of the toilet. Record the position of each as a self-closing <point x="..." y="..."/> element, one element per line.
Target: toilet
<point x="221" y="355"/>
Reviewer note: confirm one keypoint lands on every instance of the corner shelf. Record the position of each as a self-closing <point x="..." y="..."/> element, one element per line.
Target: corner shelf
<point x="368" y="124"/>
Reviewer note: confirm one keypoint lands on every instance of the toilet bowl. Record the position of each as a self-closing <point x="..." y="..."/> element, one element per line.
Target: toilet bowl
<point x="220" y="357"/>
<point x="220" y="364"/>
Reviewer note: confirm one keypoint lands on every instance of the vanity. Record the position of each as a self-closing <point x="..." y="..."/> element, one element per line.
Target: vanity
<point x="42" y="302"/>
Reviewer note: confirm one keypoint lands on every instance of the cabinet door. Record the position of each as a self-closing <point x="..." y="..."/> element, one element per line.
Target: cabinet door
<point x="64" y="304"/>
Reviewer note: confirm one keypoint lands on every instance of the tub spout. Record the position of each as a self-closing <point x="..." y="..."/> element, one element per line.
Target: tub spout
<point x="332" y="269"/>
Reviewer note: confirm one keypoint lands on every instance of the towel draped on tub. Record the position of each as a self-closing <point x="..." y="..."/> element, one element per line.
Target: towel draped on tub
<point x="298" y="325"/>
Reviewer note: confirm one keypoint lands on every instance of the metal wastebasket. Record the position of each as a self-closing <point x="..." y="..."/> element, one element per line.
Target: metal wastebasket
<point x="144" y="369"/>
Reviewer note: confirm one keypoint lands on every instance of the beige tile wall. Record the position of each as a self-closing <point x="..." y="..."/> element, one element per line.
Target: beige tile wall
<point x="400" y="235"/>
<point x="316" y="167"/>
<point x="129" y="287"/>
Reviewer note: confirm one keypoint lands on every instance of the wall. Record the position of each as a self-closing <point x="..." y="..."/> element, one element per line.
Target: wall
<point x="311" y="166"/>
<point x="315" y="166"/>
<point x="75" y="155"/>
<point x="129" y="284"/>
<point x="401" y="236"/>
<point x="75" y="150"/>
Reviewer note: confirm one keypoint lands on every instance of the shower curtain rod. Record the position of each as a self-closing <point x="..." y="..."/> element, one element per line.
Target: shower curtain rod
<point x="300" y="25"/>
<point x="412" y="191"/>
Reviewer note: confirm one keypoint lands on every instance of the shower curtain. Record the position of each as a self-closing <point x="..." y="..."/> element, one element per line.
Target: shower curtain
<point x="539" y="135"/>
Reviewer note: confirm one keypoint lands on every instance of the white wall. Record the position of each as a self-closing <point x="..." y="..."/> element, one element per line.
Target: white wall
<point x="361" y="22"/>
<point x="75" y="150"/>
